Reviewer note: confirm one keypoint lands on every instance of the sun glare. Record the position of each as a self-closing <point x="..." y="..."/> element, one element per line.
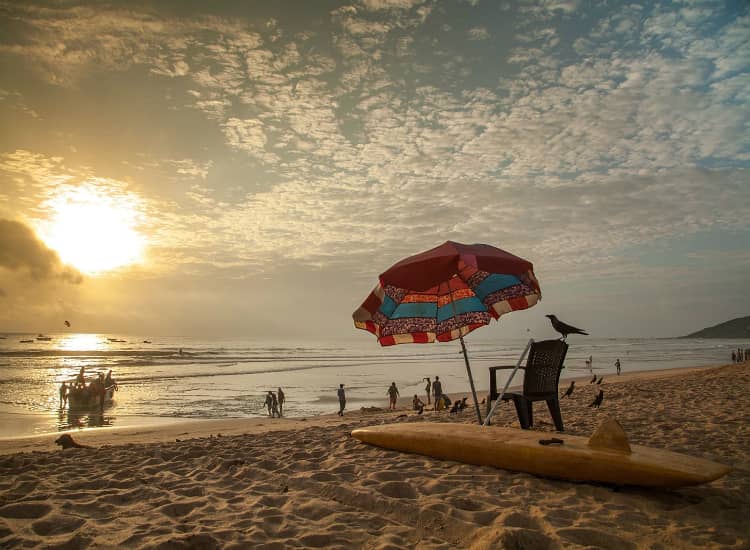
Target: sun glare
<point x="93" y="228"/>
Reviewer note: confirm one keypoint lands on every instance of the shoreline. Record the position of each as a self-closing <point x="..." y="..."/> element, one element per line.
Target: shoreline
<point x="307" y="483"/>
<point x="165" y="429"/>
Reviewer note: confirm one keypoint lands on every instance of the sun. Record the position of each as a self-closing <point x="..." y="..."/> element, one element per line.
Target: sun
<point x="94" y="228"/>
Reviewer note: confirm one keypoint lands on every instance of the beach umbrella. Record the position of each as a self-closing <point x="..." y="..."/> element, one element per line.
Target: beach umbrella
<point x="445" y="293"/>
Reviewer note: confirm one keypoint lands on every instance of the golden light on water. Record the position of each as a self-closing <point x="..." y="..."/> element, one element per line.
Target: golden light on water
<point x="93" y="228"/>
<point x="82" y="342"/>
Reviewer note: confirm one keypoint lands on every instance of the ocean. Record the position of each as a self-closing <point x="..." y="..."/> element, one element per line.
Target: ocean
<point x="162" y="379"/>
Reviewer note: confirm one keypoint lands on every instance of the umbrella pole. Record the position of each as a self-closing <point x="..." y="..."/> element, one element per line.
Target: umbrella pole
<point x="471" y="380"/>
<point x="466" y="360"/>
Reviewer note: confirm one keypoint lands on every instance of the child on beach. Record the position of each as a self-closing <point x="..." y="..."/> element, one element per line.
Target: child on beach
<point x="417" y="404"/>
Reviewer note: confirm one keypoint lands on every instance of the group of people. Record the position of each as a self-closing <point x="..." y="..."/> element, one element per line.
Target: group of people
<point x="97" y="387"/>
<point x="740" y="355"/>
<point x="275" y="403"/>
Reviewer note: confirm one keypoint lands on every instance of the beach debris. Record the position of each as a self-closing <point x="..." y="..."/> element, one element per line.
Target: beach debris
<point x="570" y="389"/>
<point x="564" y="328"/>
<point x="597" y="400"/>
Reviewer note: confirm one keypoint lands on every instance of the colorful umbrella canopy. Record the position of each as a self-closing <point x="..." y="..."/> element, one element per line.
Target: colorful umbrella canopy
<point x="445" y="293"/>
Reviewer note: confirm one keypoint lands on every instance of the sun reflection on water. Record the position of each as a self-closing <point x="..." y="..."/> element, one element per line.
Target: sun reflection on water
<point x="82" y="342"/>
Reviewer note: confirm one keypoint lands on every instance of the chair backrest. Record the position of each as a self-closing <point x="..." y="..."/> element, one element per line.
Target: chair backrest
<point x="543" y="367"/>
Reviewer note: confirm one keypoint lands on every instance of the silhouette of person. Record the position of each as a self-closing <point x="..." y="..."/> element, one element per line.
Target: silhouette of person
<point x="282" y="398"/>
<point x="437" y="391"/>
<point x="393" y="396"/>
<point x="342" y="399"/>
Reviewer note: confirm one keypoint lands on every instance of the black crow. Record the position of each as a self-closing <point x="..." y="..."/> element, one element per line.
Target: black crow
<point x="563" y="328"/>
<point x="600" y="380"/>
<point x="592" y="380"/>
<point x="598" y="400"/>
<point x="570" y="389"/>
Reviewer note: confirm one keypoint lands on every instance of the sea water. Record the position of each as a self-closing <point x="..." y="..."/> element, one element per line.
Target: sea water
<point x="190" y="378"/>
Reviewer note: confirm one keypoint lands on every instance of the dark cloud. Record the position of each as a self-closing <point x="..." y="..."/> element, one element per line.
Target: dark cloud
<point x="20" y="249"/>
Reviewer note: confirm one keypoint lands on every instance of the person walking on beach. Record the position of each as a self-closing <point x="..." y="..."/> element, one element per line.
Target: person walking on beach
<point x="282" y="398"/>
<point x="274" y="406"/>
<point x="269" y="402"/>
<point x="589" y="363"/>
<point x="393" y="395"/>
<point x="63" y="395"/>
<point x="437" y="391"/>
<point x="617" y="366"/>
<point x="427" y="389"/>
<point x="342" y="399"/>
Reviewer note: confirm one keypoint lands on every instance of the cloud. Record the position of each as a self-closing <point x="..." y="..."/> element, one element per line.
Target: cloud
<point x="21" y="250"/>
<point x="479" y="33"/>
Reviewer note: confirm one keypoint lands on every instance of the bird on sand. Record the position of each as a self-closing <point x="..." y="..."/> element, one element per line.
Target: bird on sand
<point x="570" y="389"/>
<point x="67" y="323"/>
<point x="564" y="328"/>
<point x="600" y="380"/>
<point x="598" y="400"/>
<point x="592" y="380"/>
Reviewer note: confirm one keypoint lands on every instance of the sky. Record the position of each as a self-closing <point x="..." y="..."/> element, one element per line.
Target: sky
<point x="247" y="169"/>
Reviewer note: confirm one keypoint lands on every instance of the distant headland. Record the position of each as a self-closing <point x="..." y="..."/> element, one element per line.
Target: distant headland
<point x="736" y="328"/>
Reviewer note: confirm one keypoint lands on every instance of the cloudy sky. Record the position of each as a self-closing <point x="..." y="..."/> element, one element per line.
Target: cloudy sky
<point x="248" y="168"/>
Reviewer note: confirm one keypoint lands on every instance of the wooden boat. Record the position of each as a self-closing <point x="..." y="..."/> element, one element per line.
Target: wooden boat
<point x="84" y="398"/>
<point x="606" y="457"/>
<point x="43" y="338"/>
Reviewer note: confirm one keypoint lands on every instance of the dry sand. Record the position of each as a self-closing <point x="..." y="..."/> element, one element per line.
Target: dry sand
<point x="308" y="483"/>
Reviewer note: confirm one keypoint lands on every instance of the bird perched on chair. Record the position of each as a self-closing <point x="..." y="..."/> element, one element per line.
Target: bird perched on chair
<point x="564" y="328"/>
<point x="592" y="380"/>
<point x="598" y="400"/>
<point x="600" y="380"/>
<point x="570" y="389"/>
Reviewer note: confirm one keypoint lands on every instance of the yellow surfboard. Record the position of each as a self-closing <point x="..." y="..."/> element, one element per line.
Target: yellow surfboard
<point x="606" y="457"/>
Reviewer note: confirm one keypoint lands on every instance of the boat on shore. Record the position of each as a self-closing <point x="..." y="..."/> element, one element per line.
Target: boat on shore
<point x="43" y="338"/>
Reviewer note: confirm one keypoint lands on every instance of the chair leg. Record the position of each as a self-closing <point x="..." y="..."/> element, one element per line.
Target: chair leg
<point x="522" y="411"/>
<point x="529" y="412"/>
<point x="554" y="410"/>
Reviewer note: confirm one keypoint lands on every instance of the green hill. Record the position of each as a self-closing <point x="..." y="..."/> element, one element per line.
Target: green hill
<point x="736" y="328"/>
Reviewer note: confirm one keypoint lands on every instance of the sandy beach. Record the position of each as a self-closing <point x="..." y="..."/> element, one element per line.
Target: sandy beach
<point x="307" y="483"/>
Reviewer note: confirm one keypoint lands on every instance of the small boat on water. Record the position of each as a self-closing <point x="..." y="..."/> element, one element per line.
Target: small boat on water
<point x="113" y="340"/>
<point x="88" y="398"/>
<point x="26" y="341"/>
<point x="43" y="338"/>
